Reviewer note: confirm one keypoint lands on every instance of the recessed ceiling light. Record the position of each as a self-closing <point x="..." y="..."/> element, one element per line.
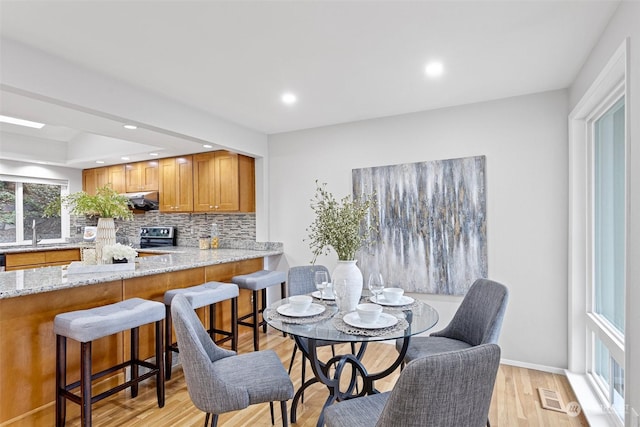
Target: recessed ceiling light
<point x="207" y="146"/>
<point x="99" y="162"/>
<point x="131" y="127"/>
<point x="21" y="122"/>
<point x="289" y="98"/>
<point x="153" y="154"/>
<point x="124" y="158"/>
<point x="434" y="69"/>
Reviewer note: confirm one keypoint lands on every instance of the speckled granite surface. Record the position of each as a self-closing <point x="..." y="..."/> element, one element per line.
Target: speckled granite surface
<point x="38" y="280"/>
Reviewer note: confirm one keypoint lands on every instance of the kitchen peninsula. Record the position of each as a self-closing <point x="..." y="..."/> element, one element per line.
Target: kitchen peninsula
<point x="30" y="299"/>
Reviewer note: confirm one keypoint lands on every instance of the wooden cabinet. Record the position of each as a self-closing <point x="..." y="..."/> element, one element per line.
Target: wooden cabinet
<point x="37" y="259"/>
<point x="218" y="181"/>
<point x="92" y="179"/>
<point x="116" y="178"/>
<point x="141" y="176"/>
<point x="223" y="182"/>
<point x="176" y="184"/>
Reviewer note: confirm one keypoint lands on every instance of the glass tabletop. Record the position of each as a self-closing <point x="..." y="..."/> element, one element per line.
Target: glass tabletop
<point x="419" y="317"/>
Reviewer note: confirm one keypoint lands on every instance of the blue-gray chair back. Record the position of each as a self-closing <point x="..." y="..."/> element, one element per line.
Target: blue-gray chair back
<point x="447" y="389"/>
<point x="219" y="380"/>
<point x="478" y="320"/>
<point x="300" y="279"/>
<point x="197" y="353"/>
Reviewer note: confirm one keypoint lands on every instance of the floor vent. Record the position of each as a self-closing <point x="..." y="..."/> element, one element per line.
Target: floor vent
<point x="550" y="399"/>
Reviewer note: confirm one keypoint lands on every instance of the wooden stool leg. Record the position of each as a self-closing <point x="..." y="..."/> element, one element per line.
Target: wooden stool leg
<point x="85" y="384"/>
<point x="264" y="305"/>
<point x="234" y="324"/>
<point x="168" y="356"/>
<point x="135" y="334"/>
<point x="256" y="322"/>
<point x="212" y="321"/>
<point x="159" y="364"/>
<point x="61" y="379"/>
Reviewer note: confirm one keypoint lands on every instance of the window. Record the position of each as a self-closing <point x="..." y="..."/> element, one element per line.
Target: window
<point x="22" y="203"/>
<point x="598" y="260"/>
<point x="606" y="310"/>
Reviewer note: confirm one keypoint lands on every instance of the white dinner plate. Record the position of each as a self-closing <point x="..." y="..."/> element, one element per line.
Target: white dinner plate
<point x="286" y="310"/>
<point x="384" y="321"/>
<point x="404" y="300"/>
<point x="316" y="294"/>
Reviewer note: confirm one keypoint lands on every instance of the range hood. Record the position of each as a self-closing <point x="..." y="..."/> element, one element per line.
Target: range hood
<point x="144" y="201"/>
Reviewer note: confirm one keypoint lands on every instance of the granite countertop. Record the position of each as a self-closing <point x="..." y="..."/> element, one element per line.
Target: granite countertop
<point x="45" y="279"/>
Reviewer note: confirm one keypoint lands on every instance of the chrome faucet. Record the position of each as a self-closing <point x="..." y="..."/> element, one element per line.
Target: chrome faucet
<point x="34" y="237"/>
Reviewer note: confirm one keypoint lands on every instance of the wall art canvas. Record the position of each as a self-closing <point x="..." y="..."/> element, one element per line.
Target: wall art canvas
<point x="433" y="230"/>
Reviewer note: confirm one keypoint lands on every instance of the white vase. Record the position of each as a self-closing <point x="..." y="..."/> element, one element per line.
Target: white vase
<point x="105" y="235"/>
<point x="348" y="272"/>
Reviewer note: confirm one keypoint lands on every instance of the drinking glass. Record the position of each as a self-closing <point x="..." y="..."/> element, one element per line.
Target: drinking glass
<point x="321" y="280"/>
<point x="340" y="292"/>
<point x="376" y="284"/>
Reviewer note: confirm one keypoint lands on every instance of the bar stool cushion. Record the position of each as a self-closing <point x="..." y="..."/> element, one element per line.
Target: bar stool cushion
<point x="94" y="323"/>
<point x="205" y="294"/>
<point x="260" y="279"/>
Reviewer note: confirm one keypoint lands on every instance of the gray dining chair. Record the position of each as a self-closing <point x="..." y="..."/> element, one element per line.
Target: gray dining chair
<point x="300" y="281"/>
<point x="478" y="320"/>
<point x="441" y="390"/>
<point x="219" y="380"/>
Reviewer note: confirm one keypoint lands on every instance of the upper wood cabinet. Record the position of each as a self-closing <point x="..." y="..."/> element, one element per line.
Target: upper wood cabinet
<point x="176" y="184"/>
<point x="217" y="181"/>
<point x="223" y="182"/>
<point x="92" y="179"/>
<point x="142" y="176"/>
<point x="116" y="175"/>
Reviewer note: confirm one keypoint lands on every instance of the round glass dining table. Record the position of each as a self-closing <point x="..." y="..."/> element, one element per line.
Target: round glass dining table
<point x="323" y="324"/>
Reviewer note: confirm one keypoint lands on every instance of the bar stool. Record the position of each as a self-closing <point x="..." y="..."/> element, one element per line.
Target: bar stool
<point x="199" y="296"/>
<point x="86" y="326"/>
<point x="259" y="281"/>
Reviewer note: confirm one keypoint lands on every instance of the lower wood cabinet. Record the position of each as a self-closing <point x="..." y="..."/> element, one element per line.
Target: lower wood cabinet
<point x="36" y="259"/>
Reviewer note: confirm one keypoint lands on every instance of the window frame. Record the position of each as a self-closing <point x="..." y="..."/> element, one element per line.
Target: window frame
<point x="610" y="85"/>
<point x="64" y="213"/>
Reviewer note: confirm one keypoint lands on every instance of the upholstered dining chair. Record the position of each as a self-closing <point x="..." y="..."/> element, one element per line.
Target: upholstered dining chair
<point x="300" y="281"/>
<point x="441" y="390"/>
<point x="219" y="380"/>
<point x="478" y="320"/>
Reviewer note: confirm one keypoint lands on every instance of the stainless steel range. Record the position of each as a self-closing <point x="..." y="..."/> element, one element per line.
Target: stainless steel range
<point x="157" y="237"/>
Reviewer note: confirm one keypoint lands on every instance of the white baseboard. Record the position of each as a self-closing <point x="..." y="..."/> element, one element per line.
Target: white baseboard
<point x="543" y="368"/>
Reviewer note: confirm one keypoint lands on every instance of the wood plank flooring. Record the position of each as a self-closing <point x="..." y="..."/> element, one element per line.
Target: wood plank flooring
<point x="515" y="399"/>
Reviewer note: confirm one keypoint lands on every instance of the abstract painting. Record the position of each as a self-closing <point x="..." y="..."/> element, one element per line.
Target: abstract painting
<point x="433" y="229"/>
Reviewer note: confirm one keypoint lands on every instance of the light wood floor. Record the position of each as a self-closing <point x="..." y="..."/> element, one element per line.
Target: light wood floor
<point x="515" y="398"/>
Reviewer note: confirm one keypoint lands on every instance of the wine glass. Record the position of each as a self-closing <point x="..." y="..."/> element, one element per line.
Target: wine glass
<point x="376" y="284"/>
<point x="321" y="280"/>
<point x="339" y="292"/>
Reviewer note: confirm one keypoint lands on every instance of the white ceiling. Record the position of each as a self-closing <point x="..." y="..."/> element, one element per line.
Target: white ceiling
<point x="345" y="60"/>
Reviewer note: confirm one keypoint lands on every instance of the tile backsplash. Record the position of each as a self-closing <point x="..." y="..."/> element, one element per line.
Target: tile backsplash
<point x="190" y="227"/>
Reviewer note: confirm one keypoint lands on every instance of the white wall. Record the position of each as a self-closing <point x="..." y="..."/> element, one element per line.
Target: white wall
<point x="73" y="176"/>
<point x="625" y="23"/>
<point x="525" y="142"/>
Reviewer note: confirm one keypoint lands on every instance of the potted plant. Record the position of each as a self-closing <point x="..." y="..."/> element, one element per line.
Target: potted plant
<point x="344" y="226"/>
<point x="106" y="204"/>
